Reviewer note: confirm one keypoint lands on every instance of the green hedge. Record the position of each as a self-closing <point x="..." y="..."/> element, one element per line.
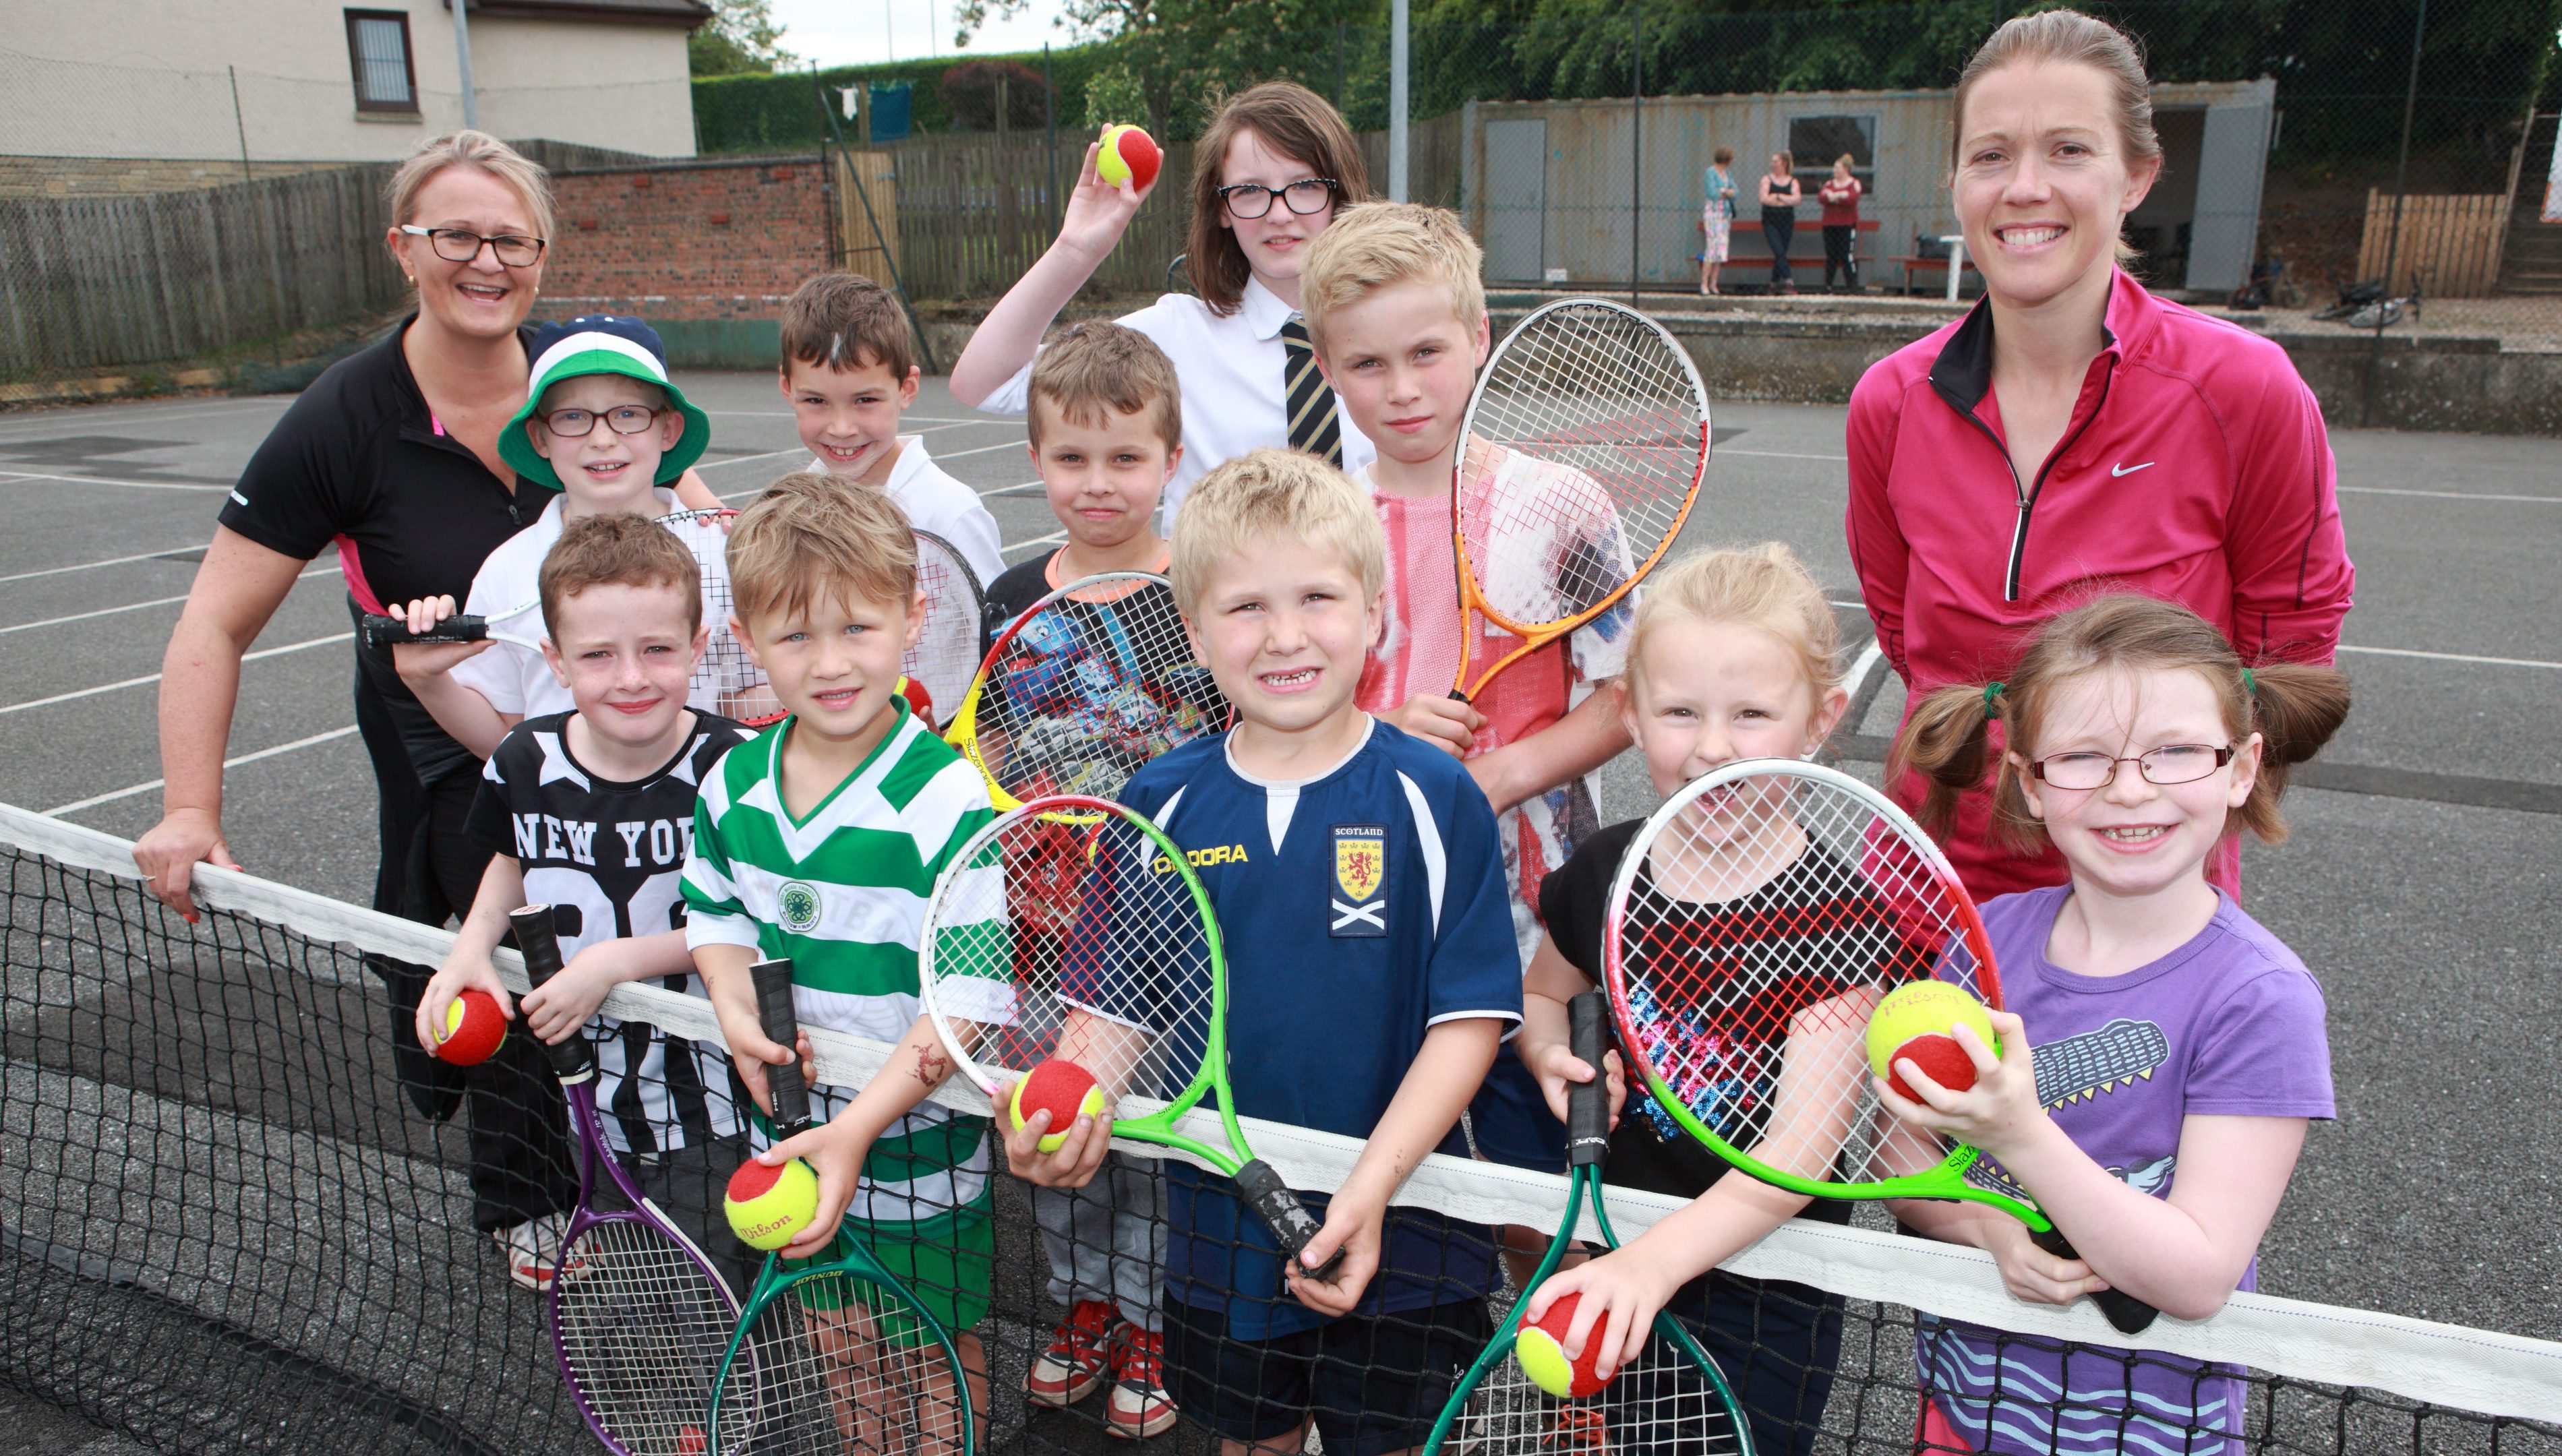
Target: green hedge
<point x="781" y="113"/>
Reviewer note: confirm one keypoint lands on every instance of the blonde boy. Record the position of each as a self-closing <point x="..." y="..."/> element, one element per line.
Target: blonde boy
<point x="848" y="374"/>
<point x="817" y="841"/>
<point x="1397" y="315"/>
<point x="1277" y="565"/>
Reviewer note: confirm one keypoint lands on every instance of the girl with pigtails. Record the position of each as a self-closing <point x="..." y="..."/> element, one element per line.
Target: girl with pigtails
<point x="2161" y="1053"/>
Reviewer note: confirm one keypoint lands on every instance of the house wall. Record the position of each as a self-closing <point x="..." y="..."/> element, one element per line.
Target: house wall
<point x="149" y="78"/>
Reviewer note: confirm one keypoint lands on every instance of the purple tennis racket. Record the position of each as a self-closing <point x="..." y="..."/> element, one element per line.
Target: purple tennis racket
<point x="639" y="1316"/>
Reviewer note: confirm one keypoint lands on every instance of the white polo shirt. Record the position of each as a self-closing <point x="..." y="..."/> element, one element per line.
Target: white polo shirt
<point x="1231" y="369"/>
<point x="941" y="506"/>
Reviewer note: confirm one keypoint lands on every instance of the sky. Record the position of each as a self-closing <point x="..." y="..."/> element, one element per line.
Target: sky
<point x="861" y="32"/>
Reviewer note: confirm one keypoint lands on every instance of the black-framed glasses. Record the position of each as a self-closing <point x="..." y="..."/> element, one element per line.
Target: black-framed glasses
<point x="461" y="244"/>
<point x="2172" y="763"/>
<point x="1247" y="201"/>
<point x="579" y="423"/>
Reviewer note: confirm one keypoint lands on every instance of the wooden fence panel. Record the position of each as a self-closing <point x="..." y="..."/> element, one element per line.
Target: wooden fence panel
<point x="2449" y="245"/>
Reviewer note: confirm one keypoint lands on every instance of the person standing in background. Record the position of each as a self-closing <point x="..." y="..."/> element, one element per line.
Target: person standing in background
<point x="1840" y="197"/>
<point x="1715" y="218"/>
<point x="1779" y="199"/>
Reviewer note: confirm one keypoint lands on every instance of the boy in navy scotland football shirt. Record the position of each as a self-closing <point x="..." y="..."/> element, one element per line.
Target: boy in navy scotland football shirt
<point x="1359" y="885"/>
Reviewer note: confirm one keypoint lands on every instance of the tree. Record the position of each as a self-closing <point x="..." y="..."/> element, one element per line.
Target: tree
<point x="740" y="38"/>
<point x="969" y="93"/>
<point x="1182" y="56"/>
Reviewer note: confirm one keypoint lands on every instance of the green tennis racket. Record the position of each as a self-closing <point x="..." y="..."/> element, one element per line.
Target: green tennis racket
<point x="834" y="1354"/>
<point x="1072" y="927"/>
<point x="1672" y="1401"/>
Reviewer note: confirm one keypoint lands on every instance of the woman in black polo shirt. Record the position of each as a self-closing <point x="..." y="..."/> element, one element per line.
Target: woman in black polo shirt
<point x="391" y="457"/>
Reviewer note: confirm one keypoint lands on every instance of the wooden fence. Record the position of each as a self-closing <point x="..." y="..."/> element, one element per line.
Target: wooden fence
<point x="99" y="281"/>
<point x="2450" y="247"/>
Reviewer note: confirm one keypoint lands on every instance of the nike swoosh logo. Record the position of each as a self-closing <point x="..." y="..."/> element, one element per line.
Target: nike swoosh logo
<point x="2131" y="470"/>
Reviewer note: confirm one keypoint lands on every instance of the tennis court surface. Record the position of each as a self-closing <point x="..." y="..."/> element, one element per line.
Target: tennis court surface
<point x="226" y="1229"/>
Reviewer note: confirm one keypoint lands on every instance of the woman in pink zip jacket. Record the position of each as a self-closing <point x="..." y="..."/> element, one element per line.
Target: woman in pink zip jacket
<point x="2073" y="432"/>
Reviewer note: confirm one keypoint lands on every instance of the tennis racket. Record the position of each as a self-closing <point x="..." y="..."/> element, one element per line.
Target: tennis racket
<point x="639" y="1316"/>
<point x="1755" y="922"/>
<point x="832" y="1355"/>
<point x="946" y="656"/>
<point x="724" y="681"/>
<point x="1082" y="689"/>
<point x="1672" y="1401"/>
<point x="1582" y="453"/>
<point x="1071" y="927"/>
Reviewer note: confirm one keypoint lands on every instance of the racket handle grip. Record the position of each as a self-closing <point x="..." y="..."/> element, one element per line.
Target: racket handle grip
<point x="781" y="1023"/>
<point x="538" y="940"/>
<point x="1292" y="1228"/>
<point x="1587" y="1104"/>
<point x="2131" y="1315"/>
<point x="385" y="631"/>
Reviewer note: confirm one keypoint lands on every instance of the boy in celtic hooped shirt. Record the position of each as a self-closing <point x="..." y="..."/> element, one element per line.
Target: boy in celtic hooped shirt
<point x="816" y="842"/>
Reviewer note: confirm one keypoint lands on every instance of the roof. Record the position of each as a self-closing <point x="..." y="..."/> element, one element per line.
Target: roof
<point x="686" y="13"/>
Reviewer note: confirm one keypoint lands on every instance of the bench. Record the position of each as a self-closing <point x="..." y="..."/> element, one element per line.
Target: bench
<point x="1913" y="263"/>
<point x="1808" y="234"/>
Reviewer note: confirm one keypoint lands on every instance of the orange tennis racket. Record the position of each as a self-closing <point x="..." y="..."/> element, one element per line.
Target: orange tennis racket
<point x="1582" y="451"/>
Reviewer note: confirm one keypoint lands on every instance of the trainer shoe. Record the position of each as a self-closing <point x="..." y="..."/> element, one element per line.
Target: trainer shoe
<point x="533" y="1251"/>
<point x="1139" y="1407"/>
<point x="1078" y="1355"/>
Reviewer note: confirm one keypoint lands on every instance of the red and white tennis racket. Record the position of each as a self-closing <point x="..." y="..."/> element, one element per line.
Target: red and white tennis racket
<point x="1581" y="454"/>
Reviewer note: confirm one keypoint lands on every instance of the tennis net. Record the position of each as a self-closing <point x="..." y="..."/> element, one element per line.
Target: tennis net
<point x="225" y="1225"/>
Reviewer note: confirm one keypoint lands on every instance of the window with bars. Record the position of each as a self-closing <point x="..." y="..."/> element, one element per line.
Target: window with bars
<point x="378" y="51"/>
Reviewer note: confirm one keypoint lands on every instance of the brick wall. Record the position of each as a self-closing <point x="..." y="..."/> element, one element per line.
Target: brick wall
<point x="686" y="241"/>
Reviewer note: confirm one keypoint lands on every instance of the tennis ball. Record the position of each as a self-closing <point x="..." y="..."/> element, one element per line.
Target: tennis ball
<point x="691" y="1442"/>
<point x="1914" y="1021"/>
<point x="1129" y="155"/>
<point x="473" y="1029"/>
<point x="1064" y="1090"/>
<point x="769" y="1206"/>
<point x="1540" y="1349"/>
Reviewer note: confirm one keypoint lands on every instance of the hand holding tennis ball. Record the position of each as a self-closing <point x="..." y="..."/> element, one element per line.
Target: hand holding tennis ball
<point x="472" y="1030"/>
<point x="1540" y="1350"/>
<point x="1127" y="155"/>
<point x="1062" y="1089"/>
<point x="769" y="1206"/>
<point x="1916" y="1023"/>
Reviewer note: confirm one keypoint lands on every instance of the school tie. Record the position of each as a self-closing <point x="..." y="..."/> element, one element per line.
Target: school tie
<point x="1313" y="426"/>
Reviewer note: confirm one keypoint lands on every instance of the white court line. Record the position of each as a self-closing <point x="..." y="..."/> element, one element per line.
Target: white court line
<point x="95" y="800"/>
<point x="747" y="460"/>
<point x="95" y="565"/>
<point x="138" y="606"/>
<point x="1776" y="454"/>
<point x="2451" y="656"/>
<point x="992" y="493"/>
<point x="1052" y="539"/>
<point x="63" y="697"/>
<point x="2450" y="494"/>
<point x="128" y="413"/>
<point x="984" y="448"/>
<point x="109" y="480"/>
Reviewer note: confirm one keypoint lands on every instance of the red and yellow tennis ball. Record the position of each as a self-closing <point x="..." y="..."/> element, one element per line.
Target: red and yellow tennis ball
<point x="1540" y="1350"/>
<point x="474" y="1027"/>
<point x="1127" y="155"/>
<point x="767" y="1207"/>
<point x="1915" y="1024"/>
<point x="1062" y="1089"/>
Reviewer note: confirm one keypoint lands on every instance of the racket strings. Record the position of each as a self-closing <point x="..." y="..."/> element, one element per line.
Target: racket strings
<point x="1584" y="446"/>
<point x="1764" y="926"/>
<point x="642" y="1330"/>
<point x="946" y="653"/>
<point x="1659" y="1404"/>
<point x="1070" y="934"/>
<point x="725" y="681"/>
<point x="1083" y="693"/>
<point x="842" y="1367"/>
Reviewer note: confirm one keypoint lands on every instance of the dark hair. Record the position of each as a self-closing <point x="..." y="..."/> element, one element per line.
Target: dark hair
<point x="842" y="320"/>
<point x="1091" y="368"/>
<point x="2295" y="707"/>
<point x="1294" y="121"/>
<point x="618" y="550"/>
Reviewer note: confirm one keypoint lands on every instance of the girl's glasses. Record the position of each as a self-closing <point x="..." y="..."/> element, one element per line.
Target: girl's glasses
<point x="1247" y="201"/>
<point x="622" y="420"/>
<point x="2172" y="763"/>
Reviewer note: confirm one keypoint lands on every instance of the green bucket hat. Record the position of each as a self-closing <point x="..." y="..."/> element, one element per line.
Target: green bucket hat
<point x="600" y="343"/>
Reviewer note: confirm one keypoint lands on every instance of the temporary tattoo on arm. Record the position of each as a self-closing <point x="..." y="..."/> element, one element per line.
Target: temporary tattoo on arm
<point x="932" y="1066"/>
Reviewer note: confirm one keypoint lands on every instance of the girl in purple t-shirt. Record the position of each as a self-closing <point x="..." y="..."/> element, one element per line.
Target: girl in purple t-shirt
<point x="2178" y="1046"/>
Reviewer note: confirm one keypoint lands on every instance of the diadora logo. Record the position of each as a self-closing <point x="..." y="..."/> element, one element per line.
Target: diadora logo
<point x="1205" y="858"/>
<point x="2126" y="469"/>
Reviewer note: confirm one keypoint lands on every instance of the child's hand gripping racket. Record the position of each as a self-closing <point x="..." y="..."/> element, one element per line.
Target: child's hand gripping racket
<point x="1072" y="928"/>
<point x="1083" y="688"/>
<point x="724" y="681"/>
<point x="1580" y="456"/>
<point x="640" y="1318"/>
<point x="833" y="1355"/>
<point x="1757" y="921"/>
<point x="1672" y="1398"/>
